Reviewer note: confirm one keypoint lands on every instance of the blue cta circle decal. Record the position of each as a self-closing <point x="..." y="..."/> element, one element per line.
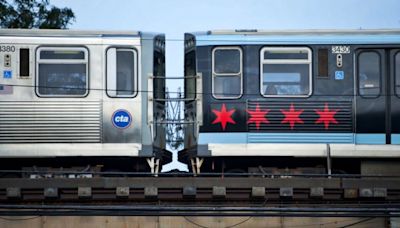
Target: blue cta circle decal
<point x="121" y="119"/>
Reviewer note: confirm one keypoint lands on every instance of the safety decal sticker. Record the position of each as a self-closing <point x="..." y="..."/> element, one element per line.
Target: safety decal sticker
<point x="7" y="74"/>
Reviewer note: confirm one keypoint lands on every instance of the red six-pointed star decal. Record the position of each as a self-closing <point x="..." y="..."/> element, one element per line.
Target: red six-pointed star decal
<point x="223" y="116"/>
<point x="326" y="116"/>
<point x="258" y="116"/>
<point x="292" y="116"/>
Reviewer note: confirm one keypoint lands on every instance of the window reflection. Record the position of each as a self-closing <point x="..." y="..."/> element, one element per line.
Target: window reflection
<point x="62" y="71"/>
<point x="369" y="74"/>
<point x="397" y="72"/>
<point x="286" y="71"/>
<point x="227" y="72"/>
<point x="121" y="72"/>
<point x="125" y="73"/>
<point x="227" y="86"/>
<point x="62" y="79"/>
<point x="227" y="61"/>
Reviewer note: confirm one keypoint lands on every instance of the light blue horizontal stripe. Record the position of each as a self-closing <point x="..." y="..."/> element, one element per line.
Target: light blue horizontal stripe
<point x="229" y="138"/>
<point x="370" y="139"/>
<point x="300" y="138"/>
<point x="395" y="138"/>
<point x="205" y="40"/>
<point x="242" y="138"/>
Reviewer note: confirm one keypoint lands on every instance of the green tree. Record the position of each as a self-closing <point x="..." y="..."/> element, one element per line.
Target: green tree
<point x="34" y="14"/>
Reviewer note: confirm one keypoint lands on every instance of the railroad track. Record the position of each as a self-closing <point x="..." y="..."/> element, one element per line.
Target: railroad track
<point x="224" y="190"/>
<point x="349" y="210"/>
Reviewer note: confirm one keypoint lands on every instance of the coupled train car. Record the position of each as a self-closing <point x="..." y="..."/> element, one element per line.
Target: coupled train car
<point x="293" y="101"/>
<point x="258" y="101"/>
<point x="67" y="96"/>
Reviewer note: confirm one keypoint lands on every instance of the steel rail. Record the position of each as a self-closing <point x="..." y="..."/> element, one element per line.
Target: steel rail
<point x="24" y="210"/>
<point x="170" y="213"/>
<point x="359" y="208"/>
<point x="186" y="174"/>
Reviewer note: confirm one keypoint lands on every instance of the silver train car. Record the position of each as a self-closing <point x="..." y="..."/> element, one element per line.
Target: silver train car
<point x="76" y="94"/>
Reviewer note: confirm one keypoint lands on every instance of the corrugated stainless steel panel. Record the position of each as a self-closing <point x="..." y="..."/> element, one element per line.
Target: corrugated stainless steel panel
<point x="309" y="118"/>
<point x="50" y="121"/>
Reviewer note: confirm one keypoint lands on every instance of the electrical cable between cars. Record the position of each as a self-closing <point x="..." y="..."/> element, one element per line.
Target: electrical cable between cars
<point x="179" y="92"/>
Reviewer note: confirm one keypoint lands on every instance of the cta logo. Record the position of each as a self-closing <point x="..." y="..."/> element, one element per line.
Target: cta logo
<point x="121" y="119"/>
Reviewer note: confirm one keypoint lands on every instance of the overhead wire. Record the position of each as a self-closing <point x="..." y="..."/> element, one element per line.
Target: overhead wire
<point x="292" y="226"/>
<point x="358" y="222"/>
<point x="230" y="226"/>
<point x="20" y="219"/>
<point x="178" y="92"/>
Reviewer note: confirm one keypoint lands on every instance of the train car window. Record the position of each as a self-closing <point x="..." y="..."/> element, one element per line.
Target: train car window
<point x="369" y="73"/>
<point x="227" y="61"/>
<point x="121" y="72"/>
<point x="159" y="70"/>
<point x="227" y="72"/>
<point x="62" y="71"/>
<point x="286" y="71"/>
<point x="284" y="54"/>
<point x="323" y="63"/>
<point x="24" y="68"/>
<point x="397" y="73"/>
<point x="62" y="54"/>
<point x="190" y="70"/>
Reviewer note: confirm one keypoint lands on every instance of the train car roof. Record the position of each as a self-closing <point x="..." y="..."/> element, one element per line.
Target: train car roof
<point x="67" y="33"/>
<point x="306" y="31"/>
<point x="281" y="37"/>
